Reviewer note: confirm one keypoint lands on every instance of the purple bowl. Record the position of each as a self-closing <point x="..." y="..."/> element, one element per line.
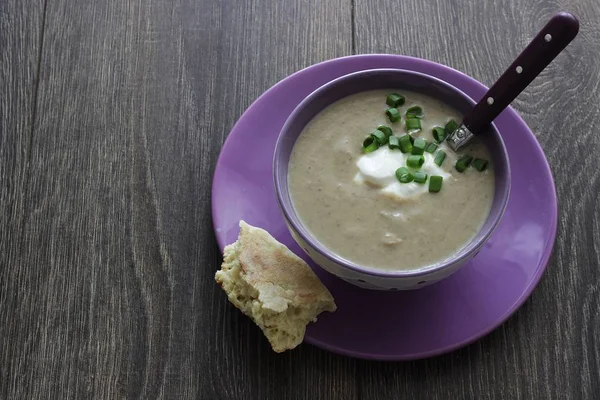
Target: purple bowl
<point x="372" y="80"/>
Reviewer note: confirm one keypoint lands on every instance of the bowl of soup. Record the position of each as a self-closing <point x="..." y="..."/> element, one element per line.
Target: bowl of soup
<point x="371" y="192"/>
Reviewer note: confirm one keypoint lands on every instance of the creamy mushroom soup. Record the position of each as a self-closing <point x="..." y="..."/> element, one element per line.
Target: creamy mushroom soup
<point x="356" y="202"/>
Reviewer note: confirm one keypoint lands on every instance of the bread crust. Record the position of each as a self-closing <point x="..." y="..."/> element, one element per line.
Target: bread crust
<point x="273" y="286"/>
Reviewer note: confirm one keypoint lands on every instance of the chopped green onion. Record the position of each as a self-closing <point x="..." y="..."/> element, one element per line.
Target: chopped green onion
<point x="480" y="164"/>
<point x="393" y="142"/>
<point x="463" y="163"/>
<point x="413" y="124"/>
<point x="404" y="175"/>
<point x="380" y="136"/>
<point x="405" y="144"/>
<point x="419" y="146"/>
<point x="431" y="147"/>
<point x="402" y="170"/>
<point x="420" y="177"/>
<point x="370" y="144"/>
<point x="415" y="112"/>
<point x="393" y="114"/>
<point x="385" y="129"/>
<point x="415" y="161"/>
<point x="394" y="100"/>
<point x="406" y="178"/>
<point x="439" y="134"/>
<point x="467" y="159"/>
<point x="435" y="183"/>
<point x="451" y="126"/>
<point x="439" y="158"/>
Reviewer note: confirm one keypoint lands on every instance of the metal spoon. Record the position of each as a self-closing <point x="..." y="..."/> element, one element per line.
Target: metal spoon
<point x="549" y="42"/>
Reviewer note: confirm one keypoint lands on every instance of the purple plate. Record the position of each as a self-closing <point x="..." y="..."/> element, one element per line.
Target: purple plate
<point x="396" y="325"/>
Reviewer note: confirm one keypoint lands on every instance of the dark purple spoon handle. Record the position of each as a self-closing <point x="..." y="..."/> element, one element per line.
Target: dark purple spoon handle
<point x="551" y="40"/>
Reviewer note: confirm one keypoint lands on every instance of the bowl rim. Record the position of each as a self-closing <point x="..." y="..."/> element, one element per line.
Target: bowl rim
<point x="292" y="218"/>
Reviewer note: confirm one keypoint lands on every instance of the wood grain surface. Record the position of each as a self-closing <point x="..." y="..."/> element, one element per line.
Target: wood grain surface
<point x="21" y="26"/>
<point x="112" y="114"/>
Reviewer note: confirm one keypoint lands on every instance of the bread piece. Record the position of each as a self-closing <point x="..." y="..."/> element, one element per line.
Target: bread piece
<point x="273" y="286"/>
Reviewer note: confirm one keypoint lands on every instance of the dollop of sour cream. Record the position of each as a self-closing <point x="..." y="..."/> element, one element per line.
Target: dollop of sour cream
<point x="378" y="169"/>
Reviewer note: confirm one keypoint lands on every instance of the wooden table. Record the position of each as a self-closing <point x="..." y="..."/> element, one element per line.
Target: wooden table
<point x="112" y="114"/>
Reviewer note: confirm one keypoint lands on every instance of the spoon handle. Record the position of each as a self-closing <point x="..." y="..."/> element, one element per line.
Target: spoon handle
<point x="548" y="43"/>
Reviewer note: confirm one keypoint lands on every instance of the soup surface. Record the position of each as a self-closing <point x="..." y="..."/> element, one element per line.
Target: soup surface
<point x="384" y="224"/>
